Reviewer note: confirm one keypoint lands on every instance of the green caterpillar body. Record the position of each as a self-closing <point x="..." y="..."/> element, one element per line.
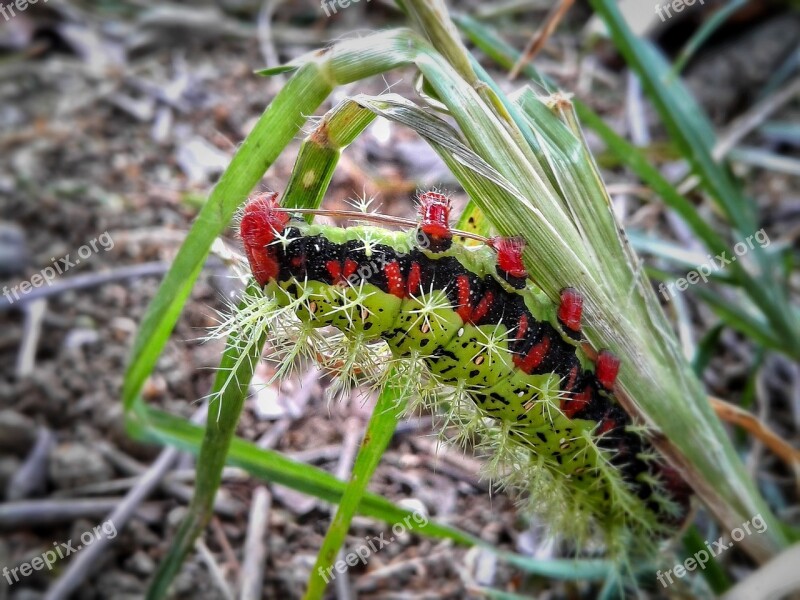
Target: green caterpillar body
<point x="479" y="325"/>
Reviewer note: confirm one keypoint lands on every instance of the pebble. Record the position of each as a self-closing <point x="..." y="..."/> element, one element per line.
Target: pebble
<point x="119" y="585"/>
<point x="9" y="465"/>
<point x="194" y="582"/>
<point x="17" y="432"/>
<point x="26" y="594"/>
<point x="175" y="518"/>
<point x="141" y="563"/>
<point x="13" y="249"/>
<point x="74" y="465"/>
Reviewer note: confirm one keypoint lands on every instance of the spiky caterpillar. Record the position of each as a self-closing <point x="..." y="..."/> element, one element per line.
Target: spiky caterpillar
<point x="480" y="325"/>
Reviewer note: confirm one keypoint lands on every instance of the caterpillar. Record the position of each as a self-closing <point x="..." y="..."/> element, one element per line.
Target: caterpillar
<point x="480" y="327"/>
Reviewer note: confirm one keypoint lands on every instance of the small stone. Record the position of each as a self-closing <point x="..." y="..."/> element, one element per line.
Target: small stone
<point x="175" y="518"/>
<point x="79" y="337"/>
<point x="295" y="502"/>
<point x="154" y="387"/>
<point x="8" y="467"/>
<point x="144" y="536"/>
<point x="194" y="582"/>
<point x="74" y="465"/>
<point x="13" y="249"/>
<point x="17" y="432"/>
<point x="141" y="563"/>
<point x="119" y="585"/>
<point x="26" y="594"/>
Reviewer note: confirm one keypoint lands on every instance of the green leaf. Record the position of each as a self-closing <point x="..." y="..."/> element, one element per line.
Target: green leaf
<point x="694" y="135"/>
<point x="388" y="410"/>
<point x="705" y="31"/>
<point x="301" y="96"/>
<point x="161" y="427"/>
<point x="634" y="158"/>
<point x="240" y="358"/>
<point x="693" y="542"/>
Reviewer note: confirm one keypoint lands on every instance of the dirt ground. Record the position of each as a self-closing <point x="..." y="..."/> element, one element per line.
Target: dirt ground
<point x="115" y="122"/>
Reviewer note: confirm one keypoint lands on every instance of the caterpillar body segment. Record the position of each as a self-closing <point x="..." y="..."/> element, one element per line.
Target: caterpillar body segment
<point x="472" y="316"/>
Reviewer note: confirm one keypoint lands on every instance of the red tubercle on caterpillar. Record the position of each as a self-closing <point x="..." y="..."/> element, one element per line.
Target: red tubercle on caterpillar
<point x="607" y="424"/>
<point x="434" y="215"/>
<point x="534" y="357"/>
<point x="464" y="308"/>
<point x="394" y="279"/>
<point x="414" y="279"/>
<point x="483" y="308"/>
<point x="334" y="269"/>
<point x="607" y="368"/>
<point x="509" y="255"/>
<point x="522" y="327"/>
<point x="570" y="309"/>
<point x="340" y="272"/>
<point x="572" y="379"/>
<point x="350" y="267"/>
<point x="572" y="404"/>
<point x="260" y="223"/>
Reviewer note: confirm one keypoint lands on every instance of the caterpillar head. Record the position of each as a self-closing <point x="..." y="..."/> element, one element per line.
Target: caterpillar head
<point x="258" y="229"/>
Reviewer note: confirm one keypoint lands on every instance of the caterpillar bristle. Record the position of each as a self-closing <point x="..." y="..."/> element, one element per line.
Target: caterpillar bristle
<point x="362" y="204"/>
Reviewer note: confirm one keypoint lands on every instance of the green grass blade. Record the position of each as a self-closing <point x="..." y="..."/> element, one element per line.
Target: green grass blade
<point x="638" y="162"/>
<point x="770" y="302"/>
<point x="388" y="410"/>
<point x="631" y="156"/>
<point x="694" y="135"/>
<point x="161" y="427"/>
<point x="706" y="349"/>
<point x="511" y="214"/>
<point x="320" y="152"/>
<point x="220" y="426"/>
<point x="683" y="117"/>
<point x="712" y="572"/>
<point x="737" y="318"/>
<point x="500" y="51"/>
<point x="705" y="31"/>
<point x="281" y="121"/>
